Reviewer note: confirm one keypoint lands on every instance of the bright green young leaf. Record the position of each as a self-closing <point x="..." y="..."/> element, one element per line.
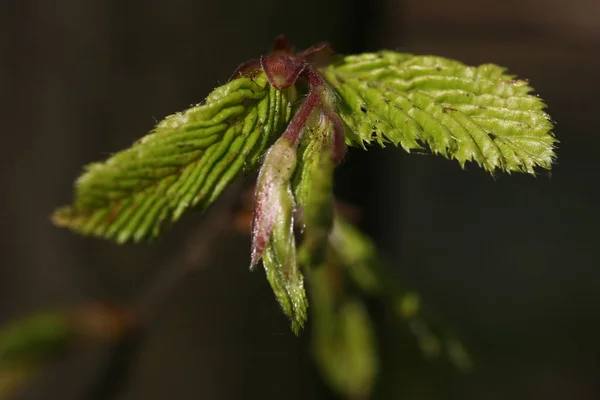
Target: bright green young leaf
<point x="466" y="113"/>
<point x="185" y="162"/>
<point x="286" y="279"/>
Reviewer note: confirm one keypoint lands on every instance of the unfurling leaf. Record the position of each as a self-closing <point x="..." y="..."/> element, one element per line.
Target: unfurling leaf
<point x="477" y="114"/>
<point x="273" y="231"/>
<point x="313" y="189"/>
<point x="286" y="280"/>
<point x="185" y="162"/>
<point x="273" y="194"/>
<point x="466" y="113"/>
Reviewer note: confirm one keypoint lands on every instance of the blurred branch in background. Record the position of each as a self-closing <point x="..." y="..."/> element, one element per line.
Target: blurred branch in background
<point x="343" y="338"/>
<point x="80" y="78"/>
<point x="30" y="344"/>
<point x="38" y="340"/>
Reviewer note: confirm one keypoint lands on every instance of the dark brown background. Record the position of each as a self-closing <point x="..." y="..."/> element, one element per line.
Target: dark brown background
<point x="511" y="263"/>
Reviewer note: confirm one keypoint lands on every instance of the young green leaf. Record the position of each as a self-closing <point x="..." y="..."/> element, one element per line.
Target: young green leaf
<point x="466" y="113"/>
<point x="185" y="162"/>
<point x="285" y="277"/>
<point x="273" y="231"/>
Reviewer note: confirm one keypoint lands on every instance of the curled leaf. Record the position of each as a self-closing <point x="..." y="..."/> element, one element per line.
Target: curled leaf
<point x="313" y="189"/>
<point x="273" y="231"/>
<point x="466" y="113"/>
<point x="286" y="279"/>
<point x="273" y="197"/>
<point x="184" y="163"/>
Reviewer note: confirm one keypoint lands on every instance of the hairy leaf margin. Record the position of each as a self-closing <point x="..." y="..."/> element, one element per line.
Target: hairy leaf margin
<point x="465" y="113"/>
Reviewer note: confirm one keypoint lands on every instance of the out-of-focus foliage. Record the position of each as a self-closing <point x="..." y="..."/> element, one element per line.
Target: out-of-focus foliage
<point x="466" y="113"/>
<point x="31" y="343"/>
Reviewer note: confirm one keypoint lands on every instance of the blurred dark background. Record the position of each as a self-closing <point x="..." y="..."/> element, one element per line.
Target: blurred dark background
<point x="511" y="262"/>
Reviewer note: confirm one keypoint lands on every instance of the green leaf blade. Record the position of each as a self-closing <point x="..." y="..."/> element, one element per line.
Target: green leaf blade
<point x="185" y="162"/>
<point x="477" y="114"/>
<point x="273" y="236"/>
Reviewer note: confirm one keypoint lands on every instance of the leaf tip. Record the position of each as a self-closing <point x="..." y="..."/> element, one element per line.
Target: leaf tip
<point x="298" y="325"/>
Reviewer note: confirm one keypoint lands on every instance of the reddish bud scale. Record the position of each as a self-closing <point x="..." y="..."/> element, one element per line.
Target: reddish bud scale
<point x="282" y="69"/>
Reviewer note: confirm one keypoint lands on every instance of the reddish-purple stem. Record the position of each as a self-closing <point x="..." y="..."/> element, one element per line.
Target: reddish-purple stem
<point x="283" y="70"/>
<point x="293" y="132"/>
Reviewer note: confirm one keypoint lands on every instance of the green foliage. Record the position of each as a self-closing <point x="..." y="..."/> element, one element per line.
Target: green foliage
<point x="279" y="258"/>
<point x="461" y="112"/>
<point x="466" y="113"/>
<point x="313" y="190"/>
<point x="186" y="162"/>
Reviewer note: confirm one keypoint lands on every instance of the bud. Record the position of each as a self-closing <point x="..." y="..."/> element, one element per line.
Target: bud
<point x="273" y="197"/>
<point x="273" y="231"/>
<point x="282" y="69"/>
<point x="320" y="152"/>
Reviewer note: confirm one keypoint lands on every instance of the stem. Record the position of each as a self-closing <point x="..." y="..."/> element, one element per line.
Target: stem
<point x="293" y="132"/>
